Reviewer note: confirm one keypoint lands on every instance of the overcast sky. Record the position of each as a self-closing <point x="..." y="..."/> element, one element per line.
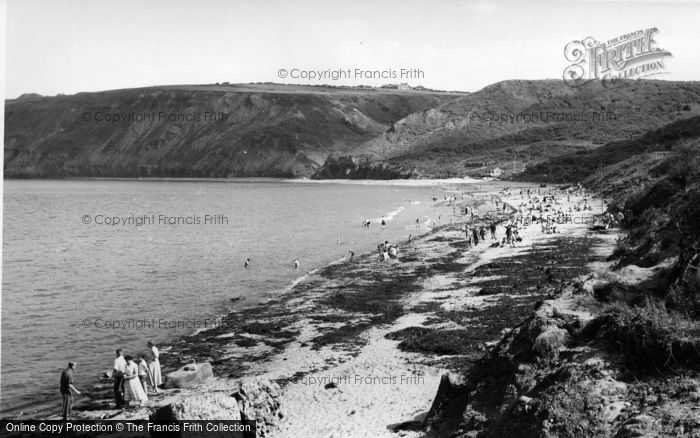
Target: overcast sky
<point x="67" y="46"/>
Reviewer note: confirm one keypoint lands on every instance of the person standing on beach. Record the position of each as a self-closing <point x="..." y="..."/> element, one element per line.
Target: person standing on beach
<point x="67" y="390"/>
<point x="352" y="254"/>
<point x="296" y="264"/>
<point x="132" y="385"/>
<point x="417" y="223"/>
<point x="154" y="367"/>
<point x="144" y="372"/>
<point x="482" y="233"/>
<point x="475" y="234"/>
<point x="493" y="231"/>
<point x="118" y="376"/>
<point x="247" y="263"/>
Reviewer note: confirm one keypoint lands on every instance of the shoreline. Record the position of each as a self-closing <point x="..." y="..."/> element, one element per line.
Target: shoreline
<point x="273" y="344"/>
<point x="98" y="403"/>
<point x="302" y="180"/>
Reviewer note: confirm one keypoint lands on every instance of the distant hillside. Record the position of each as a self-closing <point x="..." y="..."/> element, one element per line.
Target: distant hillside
<point x="267" y="130"/>
<point x="614" y="157"/>
<point x="455" y="139"/>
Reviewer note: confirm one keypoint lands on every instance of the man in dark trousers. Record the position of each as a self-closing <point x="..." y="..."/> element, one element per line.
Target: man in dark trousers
<point x="67" y="390"/>
<point x="118" y="371"/>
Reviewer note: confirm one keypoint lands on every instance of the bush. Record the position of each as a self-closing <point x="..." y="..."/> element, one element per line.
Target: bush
<point x="549" y="342"/>
<point x="650" y="338"/>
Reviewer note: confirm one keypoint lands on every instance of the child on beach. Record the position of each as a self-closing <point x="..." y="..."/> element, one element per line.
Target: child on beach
<point x="144" y="372"/>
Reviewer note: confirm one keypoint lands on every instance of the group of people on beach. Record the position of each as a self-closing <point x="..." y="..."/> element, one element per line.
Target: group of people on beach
<point x="135" y="378"/>
<point x="387" y="251"/>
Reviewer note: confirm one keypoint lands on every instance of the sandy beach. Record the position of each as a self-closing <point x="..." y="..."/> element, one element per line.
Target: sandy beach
<point x="359" y="347"/>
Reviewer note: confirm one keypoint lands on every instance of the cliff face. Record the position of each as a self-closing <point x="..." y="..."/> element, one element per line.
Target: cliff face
<point x="197" y="131"/>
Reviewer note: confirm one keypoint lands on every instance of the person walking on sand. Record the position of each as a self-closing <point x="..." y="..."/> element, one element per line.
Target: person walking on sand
<point x="475" y="234"/>
<point x="418" y="223"/>
<point x="118" y="370"/>
<point x="352" y="254"/>
<point x="247" y="263"/>
<point x="296" y="264"/>
<point x="154" y="366"/>
<point x="133" y="391"/>
<point x="67" y="389"/>
<point x="482" y="233"/>
<point x="493" y="231"/>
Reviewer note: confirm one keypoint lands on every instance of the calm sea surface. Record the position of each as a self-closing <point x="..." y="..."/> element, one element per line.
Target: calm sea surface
<point x="76" y="284"/>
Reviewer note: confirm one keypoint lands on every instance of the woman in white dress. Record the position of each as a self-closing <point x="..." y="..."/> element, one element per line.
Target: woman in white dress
<point x="154" y="367"/>
<point x="132" y="385"/>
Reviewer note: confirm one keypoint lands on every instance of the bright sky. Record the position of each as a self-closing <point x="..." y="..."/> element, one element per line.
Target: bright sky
<point x="67" y="46"/>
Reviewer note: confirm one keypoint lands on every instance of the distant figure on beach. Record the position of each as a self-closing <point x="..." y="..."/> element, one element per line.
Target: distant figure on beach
<point x="154" y="367"/>
<point x="352" y="254"/>
<point x="409" y="238"/>
<point x="417" y="223"/>
<point x="67" y="390"/>
<point x="493" y="231"/>
<point x="247" y="263"/>
<point x="118" y="370"/>
<point x="393" y="251"/>
<point x="383" y="222"/>
<point x="133" y="391"/>
<point x="296" y="264"/>
<point x="475" y="235"/>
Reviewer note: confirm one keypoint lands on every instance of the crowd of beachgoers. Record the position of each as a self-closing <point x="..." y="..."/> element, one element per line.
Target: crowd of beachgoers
<point x="513" y="210"/>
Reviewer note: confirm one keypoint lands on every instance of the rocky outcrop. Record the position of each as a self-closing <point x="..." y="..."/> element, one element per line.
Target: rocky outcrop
<point x="362" y="167"/>
<point x="254" y="400"/>
<point x="259" y="400"/>
<point x="189" y="375"/>
<point x="203" y="406"/>
<point x="560" y="374"/>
